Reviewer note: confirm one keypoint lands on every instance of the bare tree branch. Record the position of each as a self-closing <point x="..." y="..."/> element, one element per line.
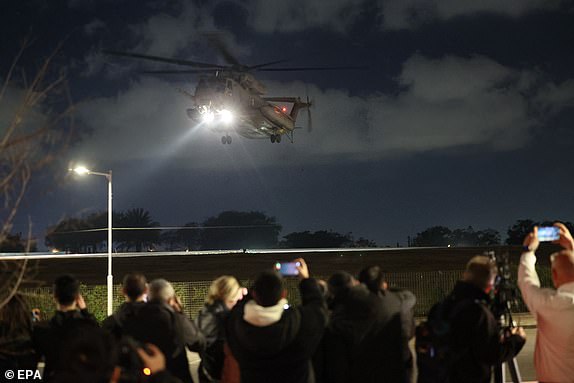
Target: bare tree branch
<point x="34" y="136"/>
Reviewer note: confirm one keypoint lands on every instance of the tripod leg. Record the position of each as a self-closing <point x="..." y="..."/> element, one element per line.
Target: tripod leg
<point x="514" y="370"/>
<point x="499" y="373"/>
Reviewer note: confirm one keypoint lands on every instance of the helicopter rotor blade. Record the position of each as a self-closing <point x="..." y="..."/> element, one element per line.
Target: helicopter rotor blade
<point x="266" y="64"/>
<point x="293" y="69"/>
<point x="188" y="71"/>
<point x="164" y="59"/>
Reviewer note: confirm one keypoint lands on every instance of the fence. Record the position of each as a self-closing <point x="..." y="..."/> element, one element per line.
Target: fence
<point x="428" y="286"/>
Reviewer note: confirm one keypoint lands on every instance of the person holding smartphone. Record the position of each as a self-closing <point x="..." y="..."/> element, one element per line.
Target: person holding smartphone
<point x="272" y="341"/>
<point x="553" y="308"/>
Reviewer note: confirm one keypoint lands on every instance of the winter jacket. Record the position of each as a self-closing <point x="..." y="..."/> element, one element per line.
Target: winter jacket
<point x="476" y="345"/>
<point x="159" y="324"/>
<point x="278" y="350"/>
<point x="364" y="341"/>
<point x="49" y="338"/>
<point x="211" y="322"/>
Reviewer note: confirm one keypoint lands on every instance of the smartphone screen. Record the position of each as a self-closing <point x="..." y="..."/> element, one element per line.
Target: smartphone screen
<point x="548" y="233"/>
<point x="287" y="268"/>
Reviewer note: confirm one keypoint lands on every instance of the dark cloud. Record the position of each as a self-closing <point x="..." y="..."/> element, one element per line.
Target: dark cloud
<point x="404" y="14"/>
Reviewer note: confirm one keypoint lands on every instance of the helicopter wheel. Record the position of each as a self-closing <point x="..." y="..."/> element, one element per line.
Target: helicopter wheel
<point x="224" y="140"/>
<point x="278" y="138"/>
<point x="228" y="138"/>
<point x="272" y="138"/>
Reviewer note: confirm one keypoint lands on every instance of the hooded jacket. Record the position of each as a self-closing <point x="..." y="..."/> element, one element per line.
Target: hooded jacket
<point x="275" y="344"/>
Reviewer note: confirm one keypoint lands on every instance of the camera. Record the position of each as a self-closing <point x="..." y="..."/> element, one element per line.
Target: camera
<point x="505" y="293"/>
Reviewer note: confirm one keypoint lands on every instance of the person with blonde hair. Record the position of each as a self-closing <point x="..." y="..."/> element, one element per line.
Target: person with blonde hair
<point x="223" y="294"/>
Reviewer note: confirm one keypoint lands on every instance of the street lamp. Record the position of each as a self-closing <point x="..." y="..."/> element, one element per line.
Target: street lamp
<point x="81" y="170"/>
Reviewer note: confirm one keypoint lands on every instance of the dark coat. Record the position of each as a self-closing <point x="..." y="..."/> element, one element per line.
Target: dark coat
<point x="161" y="325"/>
<point x="282" y="351"/>
<point x="365" y="341"/>
<point x="17" y="350"/>
<point x="211" y="322"/>
<point x="476" y="345"/>
<point x="51" y="337"/>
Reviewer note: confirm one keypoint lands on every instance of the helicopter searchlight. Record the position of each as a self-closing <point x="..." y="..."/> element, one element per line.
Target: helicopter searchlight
<point x="208" y="117"/>
<point x="226" y="116"/>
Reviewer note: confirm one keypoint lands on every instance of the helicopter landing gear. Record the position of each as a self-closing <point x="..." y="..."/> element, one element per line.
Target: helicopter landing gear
<point x="226" y="139"/>
<point x="275" y="138"/>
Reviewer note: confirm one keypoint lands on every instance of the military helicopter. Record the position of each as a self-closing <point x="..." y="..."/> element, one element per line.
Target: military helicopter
<point x="228" y="98"/>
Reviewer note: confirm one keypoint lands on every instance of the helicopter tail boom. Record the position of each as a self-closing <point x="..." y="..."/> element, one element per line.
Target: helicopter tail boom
<point x="296" y="101"/>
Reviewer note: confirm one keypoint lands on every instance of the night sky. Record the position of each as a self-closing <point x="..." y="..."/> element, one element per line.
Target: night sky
<point x="465" y="115"/>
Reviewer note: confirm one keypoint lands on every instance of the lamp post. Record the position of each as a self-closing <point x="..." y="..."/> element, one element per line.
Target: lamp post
<point x="110" y="279"/>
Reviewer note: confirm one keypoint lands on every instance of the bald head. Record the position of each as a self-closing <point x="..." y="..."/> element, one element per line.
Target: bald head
<point x="562" y="267"/>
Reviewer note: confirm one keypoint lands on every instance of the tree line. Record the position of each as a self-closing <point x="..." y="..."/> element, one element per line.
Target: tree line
<point x="136" y="230"/>
<point x="443" y="236"/>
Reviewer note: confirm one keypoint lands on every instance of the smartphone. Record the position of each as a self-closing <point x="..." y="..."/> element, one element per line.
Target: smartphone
<point x="548" y="233"/>
<point x="287" y="269"/>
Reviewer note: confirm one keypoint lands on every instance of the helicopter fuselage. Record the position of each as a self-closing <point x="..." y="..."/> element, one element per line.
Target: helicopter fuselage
<point x="226" y="103"/>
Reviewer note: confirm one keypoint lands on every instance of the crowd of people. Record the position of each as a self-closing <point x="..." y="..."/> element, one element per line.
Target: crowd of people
<point x="346" y="329"/>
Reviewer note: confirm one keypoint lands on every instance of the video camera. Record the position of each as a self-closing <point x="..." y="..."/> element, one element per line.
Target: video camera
<point x="505" y="292"/>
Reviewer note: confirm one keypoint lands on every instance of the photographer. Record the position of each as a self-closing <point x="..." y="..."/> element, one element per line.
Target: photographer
<point x="475" y="342"/>
<point x="554" y="309"/>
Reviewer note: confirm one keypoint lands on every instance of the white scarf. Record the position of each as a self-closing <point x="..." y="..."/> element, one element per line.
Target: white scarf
<point x="263" y="316"/>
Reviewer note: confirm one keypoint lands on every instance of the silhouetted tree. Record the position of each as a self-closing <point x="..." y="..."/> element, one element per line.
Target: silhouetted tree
<point x="79" y="235"/>
<point x="187" y="238"/>
<point x="14" y="243"/>
<point x="190" y="238"/>
<point x="364" y="242"/>
<point x="317" y="239"/>
<point x="443" y="236"/>
<point x="129" y="233"/>
<point x="433" y="236"/>
<point x="35" y="129"/>
<point x="240" y="230"/>
<point x="518" y="231"/>
<point x="488" y="237"/>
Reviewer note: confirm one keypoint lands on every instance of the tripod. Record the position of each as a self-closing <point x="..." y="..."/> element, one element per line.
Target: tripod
<point x="505" y="321"/>
<point x="505" y="293"/>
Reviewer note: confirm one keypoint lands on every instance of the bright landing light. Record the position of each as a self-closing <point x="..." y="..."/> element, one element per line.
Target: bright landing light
<point x="208" y="117"/>
<point x="226" y="116"/>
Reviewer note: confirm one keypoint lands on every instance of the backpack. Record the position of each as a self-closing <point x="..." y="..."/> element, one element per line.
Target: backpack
<point x="433" y="341"/>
